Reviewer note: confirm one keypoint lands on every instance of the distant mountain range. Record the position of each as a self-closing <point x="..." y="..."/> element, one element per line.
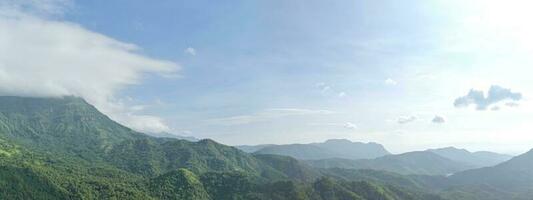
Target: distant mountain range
<point x="476" y="159"/>
<point x="171" y="135"/>
<point x="64" y="148"/>
<point x="334" y="148"/>
<point x="341" y="153"/>
<point x="418" y="162"/>
<point x="498" y="182"/>
<point x="252" y="148"/>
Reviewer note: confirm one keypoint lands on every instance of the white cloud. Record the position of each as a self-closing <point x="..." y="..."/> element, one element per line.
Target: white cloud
<point x="350" y="125"/>
<point x="47" y="58"/>
<point x="266" y="115"/>
<point x="495" y="95"/>
<point x="346" y="125"/>
<point x="438" y="119"/>
<point x="406" y="119"/>
<point x="512" y="104"/>
<point x="342" y="94"/>
<point x="323" y="87"/>
<point x="389" y="81"/>
<point x="191" y="51"/>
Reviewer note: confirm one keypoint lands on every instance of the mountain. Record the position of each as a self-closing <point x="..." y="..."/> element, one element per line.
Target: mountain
<point x="178" y="184"/>
<point x="64" y="148"/>
<point x="151" y="157"/>
<point x="418" y="162"/>
<point x="477" y="159"/>
<point x="71" y="127"/>
<point x="252" y="148"/>
<point x="24" y="183"/>
<point x="26" y="174"/>
<point x="67" y="125"/>
<point x="511" y="177"/>
<point x="353" y="150"/>
<point x="335" y="148"/>
<point x="298" y="151"/>
<point x="290" y="167"/>
<point x="327" y="189"/>
<point x="170" y="135"/>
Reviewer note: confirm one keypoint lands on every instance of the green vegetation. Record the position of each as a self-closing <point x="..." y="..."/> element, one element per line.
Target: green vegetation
<point x="178" y="184"/>
<point x="418" y="162"/>
<point x="65" y="149"/>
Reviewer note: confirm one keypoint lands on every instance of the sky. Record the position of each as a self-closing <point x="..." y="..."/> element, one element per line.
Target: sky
<point x="410" y="75"/>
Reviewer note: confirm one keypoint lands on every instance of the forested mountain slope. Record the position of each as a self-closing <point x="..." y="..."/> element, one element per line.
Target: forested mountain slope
<point x="64" y="148"/>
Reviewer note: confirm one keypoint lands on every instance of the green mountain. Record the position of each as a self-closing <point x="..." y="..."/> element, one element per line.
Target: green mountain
<point x="418" y="162"/>
<point x="25" y="183"/>
<point x="477" y="159"/>
<point x="289" y="167"/>
<point x="71" y="127"/>
<point x="66" y="125"/>
<point x="335" y="148"/>
<point x="64" y="148"/>
<point x="178" y="184"/>
<point x="151" y="156"/>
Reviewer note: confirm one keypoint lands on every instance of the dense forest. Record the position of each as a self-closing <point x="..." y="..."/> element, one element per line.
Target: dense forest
<point x="64" y="148"/>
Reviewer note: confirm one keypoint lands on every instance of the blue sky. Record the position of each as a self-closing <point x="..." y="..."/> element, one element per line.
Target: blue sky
<point x="252" y="72"/>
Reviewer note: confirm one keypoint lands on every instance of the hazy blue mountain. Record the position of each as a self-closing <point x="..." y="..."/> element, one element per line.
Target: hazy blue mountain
<point x="511" y="177"/>
<point x="418" y="162"/>
<point x="252" y="148"/>
<point x="298" y="151"/>
<point x="171" y="135"/>
<point x="353" y="150"/>
<point x="335" y="148"/>
<point x="477" y="159"/>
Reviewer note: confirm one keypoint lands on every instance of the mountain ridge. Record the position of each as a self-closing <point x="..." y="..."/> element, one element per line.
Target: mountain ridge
<point x="477" y="159"/>
<point x="417" y="162"/>
<point x="332" y="148"/>
<point x="64" y="148"/>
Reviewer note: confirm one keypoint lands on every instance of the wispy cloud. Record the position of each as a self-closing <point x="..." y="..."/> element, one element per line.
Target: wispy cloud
<point x="346" y="125"/>
<point x="266" y="115"/>
<point x="328" y="90"/>
<point x="406" y="119"/>
<point x="495" y="95"/>
<point x="323" y="87"/>
<point x="390" y="81"/>
<point x="350" y="125"/>
<point x="53" y="58"/>
<point x="512" y="104"/>
<point x="191" y="51"/>
<point x="438" y="119"/>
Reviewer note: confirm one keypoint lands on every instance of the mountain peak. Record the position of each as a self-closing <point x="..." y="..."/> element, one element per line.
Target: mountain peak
<point x="478" y="159"/>
<point x="59" y="123"/>
<point x="342" y="141"/>
<point x="451" y="148"/>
